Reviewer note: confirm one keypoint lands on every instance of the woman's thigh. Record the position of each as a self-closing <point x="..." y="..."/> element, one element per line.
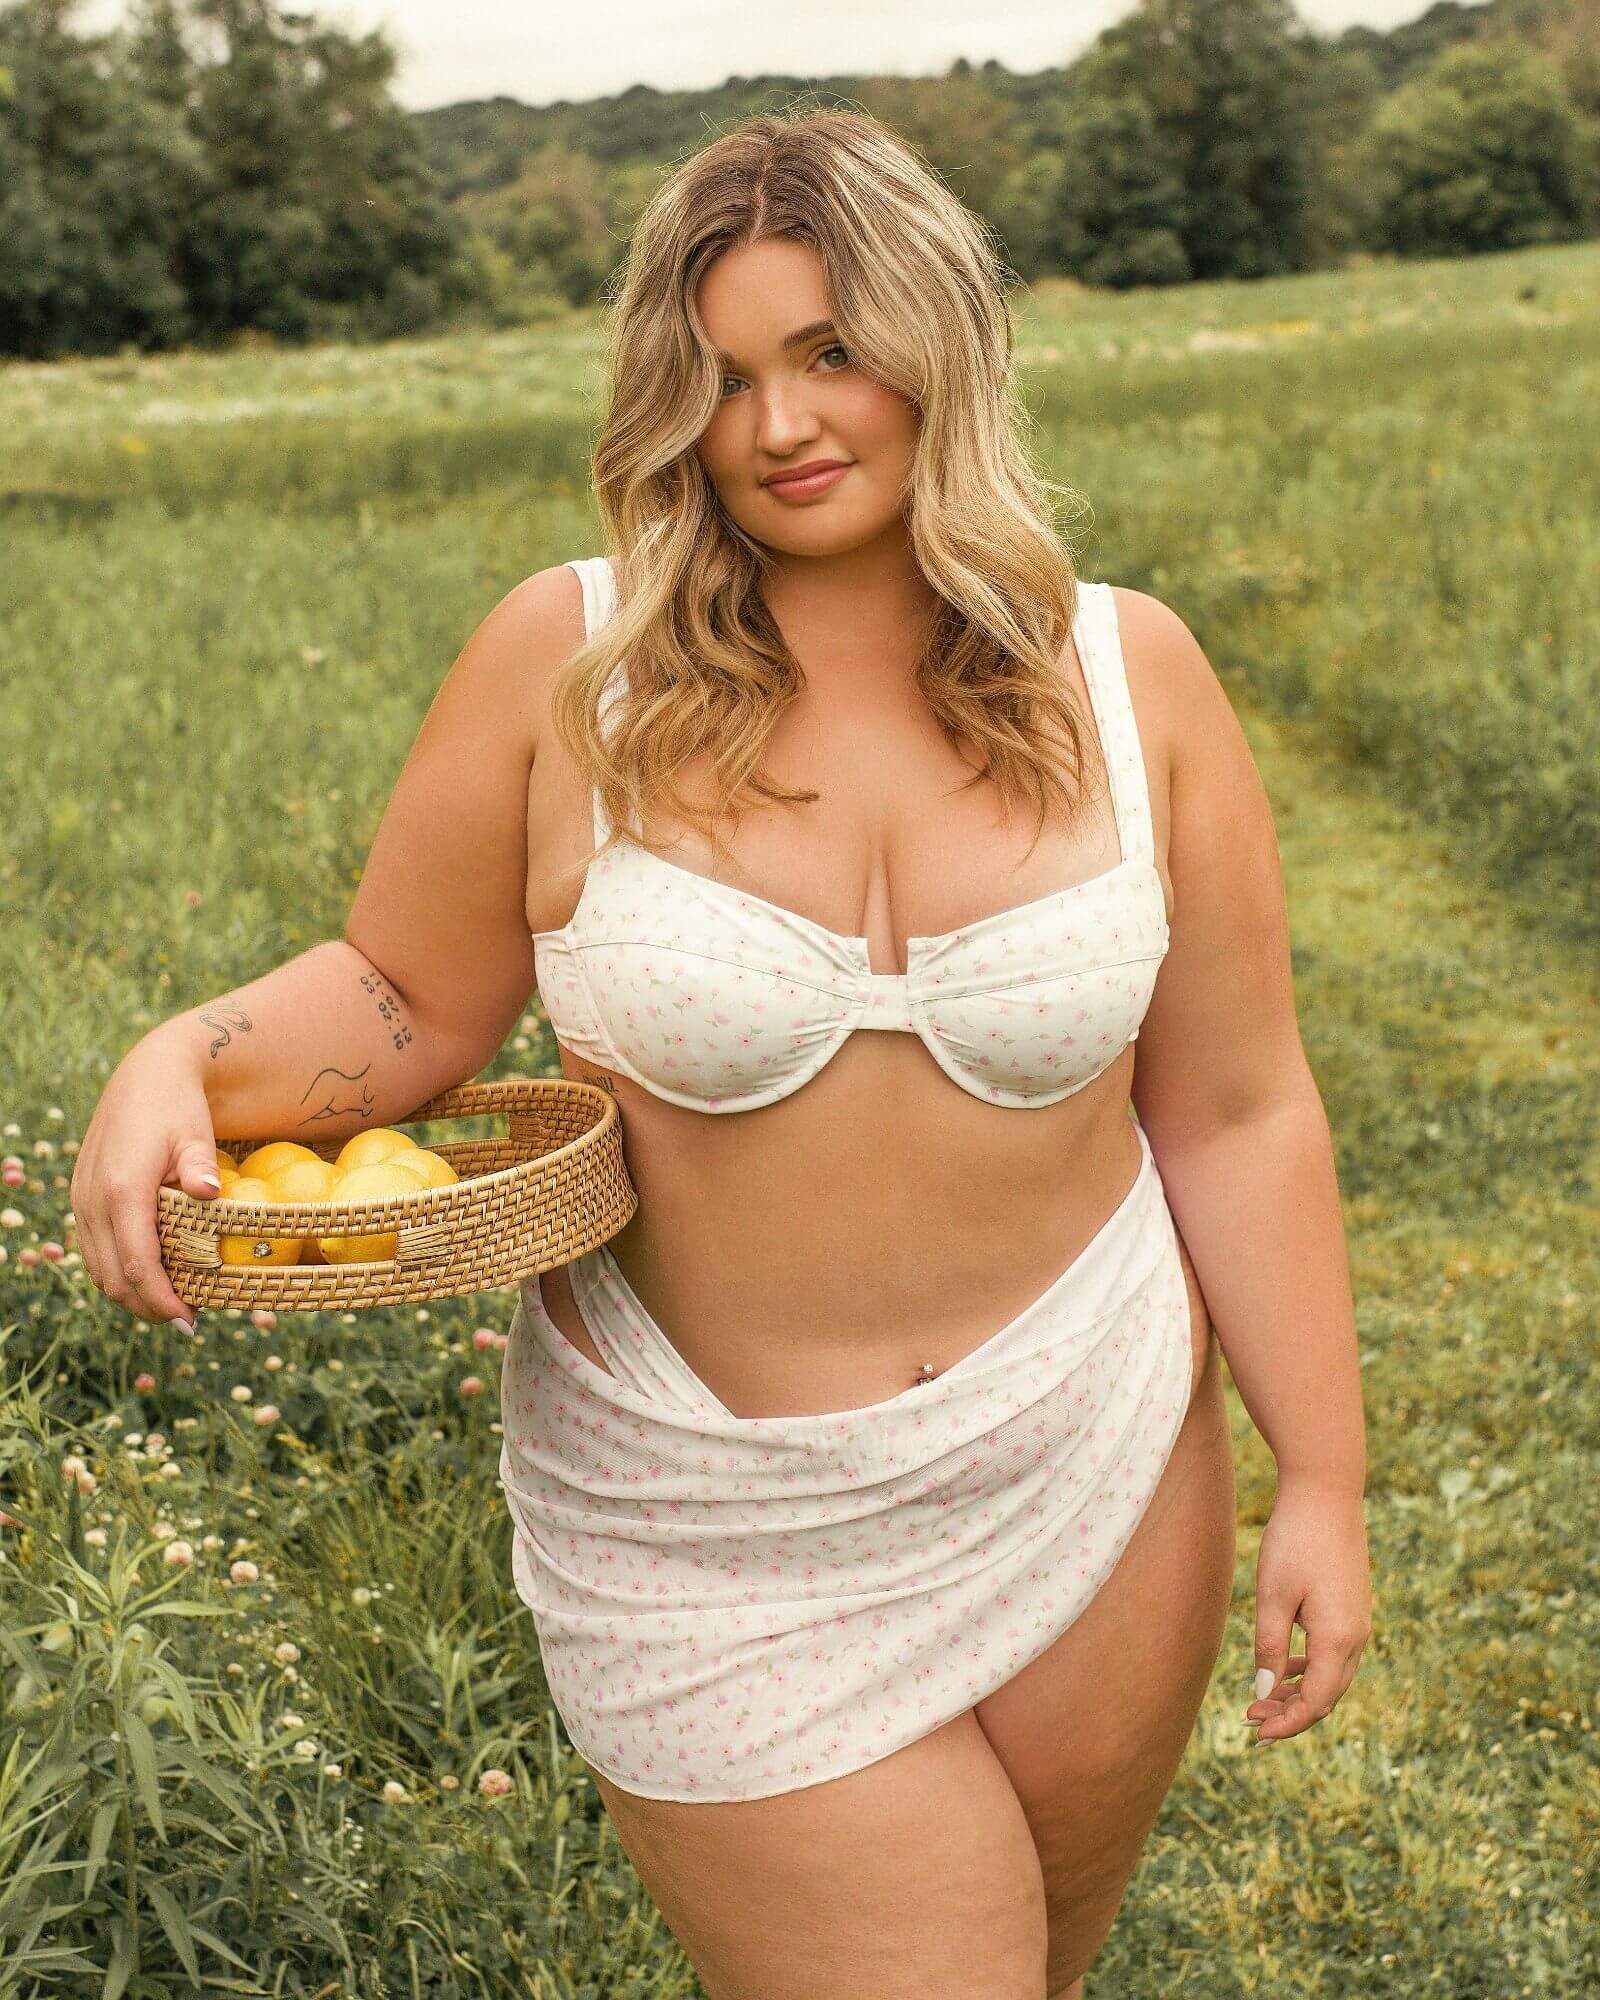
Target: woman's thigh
<point x="1091" y="1733"/>
<point x="914" y="1878"/>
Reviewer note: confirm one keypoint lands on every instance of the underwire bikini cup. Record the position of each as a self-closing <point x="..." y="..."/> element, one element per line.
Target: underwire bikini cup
<point x="718" y="1000"/>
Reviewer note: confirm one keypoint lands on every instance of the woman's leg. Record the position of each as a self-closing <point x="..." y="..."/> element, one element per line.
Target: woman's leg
<point x="1092" y="1732"/>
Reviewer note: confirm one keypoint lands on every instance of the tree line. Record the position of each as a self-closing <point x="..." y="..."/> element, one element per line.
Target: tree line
<point x="217" y="167"/>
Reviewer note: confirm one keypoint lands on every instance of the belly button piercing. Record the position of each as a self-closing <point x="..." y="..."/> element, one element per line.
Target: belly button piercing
<point x="926" y="1373"/>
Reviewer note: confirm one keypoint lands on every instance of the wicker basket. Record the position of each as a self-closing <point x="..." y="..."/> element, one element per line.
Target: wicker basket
<point x="554" y="1188"/>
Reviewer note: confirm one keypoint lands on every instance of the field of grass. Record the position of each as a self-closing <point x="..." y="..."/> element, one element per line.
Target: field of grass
<point x="230" y="586"/>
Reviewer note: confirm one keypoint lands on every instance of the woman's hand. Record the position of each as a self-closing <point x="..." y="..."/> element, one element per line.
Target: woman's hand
<point x="151" y="1128"/>
<point x="1312" y="1570"/>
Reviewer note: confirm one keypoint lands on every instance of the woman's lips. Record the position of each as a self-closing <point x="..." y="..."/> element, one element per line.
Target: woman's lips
<point x="803" y="489"/>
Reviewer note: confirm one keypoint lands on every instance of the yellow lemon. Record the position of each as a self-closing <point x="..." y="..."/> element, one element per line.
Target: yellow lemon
<point x="427" y="1168"/>
<point x="257" y="1249"/>
<point x="376" y="1180"/>
<point x="367" y="1148"/>
<point x="265" y="1161"/>
<point x="303" y="1180"/>
<point x="225" y="1160"/>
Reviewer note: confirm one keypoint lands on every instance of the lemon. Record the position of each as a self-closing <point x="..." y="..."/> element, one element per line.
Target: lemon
<point x="303" y="1180"/>
<point x="265" y="1161"/>
<point x="226" y="1163"/>
<point x="427" y="1168"/>
<point x="257" y="1249"/>
<point x="367" y="1148"/>
<point x="376" y="1180"/>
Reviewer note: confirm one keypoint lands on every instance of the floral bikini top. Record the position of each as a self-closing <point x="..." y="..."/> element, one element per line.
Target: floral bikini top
<point x="721" y="1001"/>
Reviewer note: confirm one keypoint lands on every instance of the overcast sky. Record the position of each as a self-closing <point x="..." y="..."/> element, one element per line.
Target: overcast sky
<point x="539" y="52"/>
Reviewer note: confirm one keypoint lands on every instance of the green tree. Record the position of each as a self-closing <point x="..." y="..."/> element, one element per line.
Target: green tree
<point x="216" y="164"/>
<point x="1483" y="151"/>
<point x="94" y="181"/>
<point x="1119" y="209"/>
<point x="1229" y="88"/>
<point x="551" y="224"/>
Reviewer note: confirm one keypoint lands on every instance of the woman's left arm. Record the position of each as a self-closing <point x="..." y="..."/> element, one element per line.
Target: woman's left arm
<point x="1237" y="1126"/>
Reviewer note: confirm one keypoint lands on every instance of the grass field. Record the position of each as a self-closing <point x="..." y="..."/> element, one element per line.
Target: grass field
<point x="230" y="586"/>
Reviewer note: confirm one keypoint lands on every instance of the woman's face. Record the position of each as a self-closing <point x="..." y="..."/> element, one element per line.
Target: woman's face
<point x="784" y="406"/>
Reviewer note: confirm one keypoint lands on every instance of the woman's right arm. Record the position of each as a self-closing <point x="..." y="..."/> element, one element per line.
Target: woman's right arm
<point x="435" y="967"/>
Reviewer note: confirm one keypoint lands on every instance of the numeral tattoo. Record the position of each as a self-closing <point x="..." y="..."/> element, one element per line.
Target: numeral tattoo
<point x="388" y="1005"/>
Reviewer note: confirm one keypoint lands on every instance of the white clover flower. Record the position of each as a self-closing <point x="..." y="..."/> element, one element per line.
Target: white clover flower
<point x="179" y="1554"/>
<point x="396" y="1793"/>
<point x="286" y="1653"/>
<point x="244" y="1572"/>
<point x="239" y="1393"/>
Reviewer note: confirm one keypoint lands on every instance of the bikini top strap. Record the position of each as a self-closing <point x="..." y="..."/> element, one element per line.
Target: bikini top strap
<point x="599" y="582"/>
<point x="1099" y="643"/>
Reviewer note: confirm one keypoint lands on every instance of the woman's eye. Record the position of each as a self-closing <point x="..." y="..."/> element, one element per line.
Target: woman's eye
<point x="836" y="348"/>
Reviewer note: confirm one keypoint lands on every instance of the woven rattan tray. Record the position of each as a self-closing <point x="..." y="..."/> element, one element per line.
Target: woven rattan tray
<point x="554" y="1187"/>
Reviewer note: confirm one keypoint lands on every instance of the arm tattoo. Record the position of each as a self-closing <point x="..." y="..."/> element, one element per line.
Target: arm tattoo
<point x="388" y="1005"/>
<point x="333" y="1095"/>
<point x="229" y="1019"/>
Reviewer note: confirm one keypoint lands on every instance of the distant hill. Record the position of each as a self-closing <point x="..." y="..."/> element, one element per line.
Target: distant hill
<point x="480" y="145"/>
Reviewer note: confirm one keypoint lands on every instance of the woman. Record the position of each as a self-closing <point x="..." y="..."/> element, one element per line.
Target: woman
<point x="872" y="1489"/>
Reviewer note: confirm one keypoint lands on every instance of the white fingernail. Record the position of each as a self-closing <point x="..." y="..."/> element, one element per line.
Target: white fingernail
<point x="1265" y="1680"/>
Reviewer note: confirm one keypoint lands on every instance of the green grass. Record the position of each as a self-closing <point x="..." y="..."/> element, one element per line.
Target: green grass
<point x="230" y="586"/>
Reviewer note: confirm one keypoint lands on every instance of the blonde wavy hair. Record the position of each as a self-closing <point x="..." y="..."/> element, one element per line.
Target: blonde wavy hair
<point x="707" y="668"/>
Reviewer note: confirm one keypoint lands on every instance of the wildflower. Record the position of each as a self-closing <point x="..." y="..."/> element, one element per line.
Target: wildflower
<point x="212" y="1542"/>
<point x="395" y="1793"/>
<point x="52" y="1253"/>
<point x="244" y="1572"/>
<point x="263" y="1320"/>
<point x="333" y="1770"/>
<point x="273" y="1363"/>
<point x="449" y="1782"/>
<point x="483" y="1337"/>
<point x="179" y="1554"/>
<point x="13" y="1218"/>
<point x="171" y="1470"/>
<point x="239" y="1393"/>
<point x="289" y="1720"/>
<point x="308" y="1747"/>
<point x="95" y="1537"/>
<point x="286" y="1653"/>
<point x="361" y="1595"/>
<point x="494" y="1784"/>
<point x="471" y="1385"/>
<point x="267" y="1414"/>
<point x="144" y="1384"/>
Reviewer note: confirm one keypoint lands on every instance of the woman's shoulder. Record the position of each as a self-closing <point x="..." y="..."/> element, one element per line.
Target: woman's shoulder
<point x="1177" y="696"/>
